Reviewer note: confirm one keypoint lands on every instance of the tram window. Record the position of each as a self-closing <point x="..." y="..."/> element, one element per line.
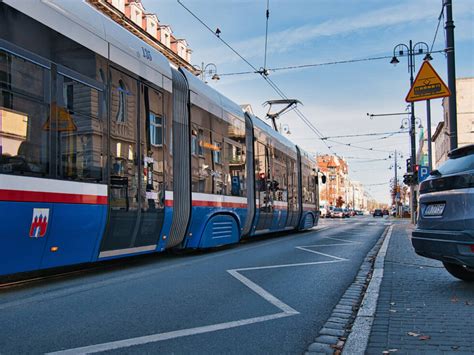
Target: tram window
<point x="80" y="130"/>
<point x="24" y="113"/>
<point x="24" y="141"/>
<point x="21" y="76"/>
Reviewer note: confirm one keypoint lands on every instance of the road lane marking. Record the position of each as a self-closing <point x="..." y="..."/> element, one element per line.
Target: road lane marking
<point x="319" y="253"/>
<point x="120" y="344"/>
<point x="287" y="311"/>
<point x="263" y="293"/>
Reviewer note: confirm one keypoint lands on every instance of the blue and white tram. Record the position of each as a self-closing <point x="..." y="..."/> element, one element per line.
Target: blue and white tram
<point x="107" y="151"/>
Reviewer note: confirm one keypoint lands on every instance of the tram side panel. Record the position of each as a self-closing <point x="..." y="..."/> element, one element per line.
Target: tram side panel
<point x="309" y="192"/>
<point x="53" y="194"/>
<point x="218" y="168"/>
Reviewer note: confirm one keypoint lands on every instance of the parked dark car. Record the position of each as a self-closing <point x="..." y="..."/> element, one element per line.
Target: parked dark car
<point x="378" y="213"/>
<point x="385" y="212"/>
<point x="445" y="228"/>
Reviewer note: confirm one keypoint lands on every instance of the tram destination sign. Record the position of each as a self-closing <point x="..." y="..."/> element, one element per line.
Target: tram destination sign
<point x="427" y="85"/>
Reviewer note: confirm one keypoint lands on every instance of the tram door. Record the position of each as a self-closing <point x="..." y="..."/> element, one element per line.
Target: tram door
<point x="136" y="167"/>
<point x="264" y="194"/>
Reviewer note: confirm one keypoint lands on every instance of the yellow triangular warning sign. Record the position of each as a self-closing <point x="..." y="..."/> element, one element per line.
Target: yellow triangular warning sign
<point x="63" y="123"/>
<point x="427" y="85"/>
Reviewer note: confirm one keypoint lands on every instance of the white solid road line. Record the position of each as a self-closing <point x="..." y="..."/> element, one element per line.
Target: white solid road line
<point x="120" y="344"/>
<point x="153" y="338"/>
<point x="263" y="293"/>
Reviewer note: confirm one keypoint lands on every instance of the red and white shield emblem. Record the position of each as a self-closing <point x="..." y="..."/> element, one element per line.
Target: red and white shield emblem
<point x="39" y="223"/>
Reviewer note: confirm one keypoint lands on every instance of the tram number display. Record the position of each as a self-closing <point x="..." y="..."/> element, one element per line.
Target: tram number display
<point x="147" y="54"/>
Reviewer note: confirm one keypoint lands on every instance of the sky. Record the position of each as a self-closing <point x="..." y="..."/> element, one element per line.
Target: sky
<point x="335" y="98"/>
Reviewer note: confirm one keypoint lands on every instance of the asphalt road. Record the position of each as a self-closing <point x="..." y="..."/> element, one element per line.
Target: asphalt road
<point x="266" y="296"/>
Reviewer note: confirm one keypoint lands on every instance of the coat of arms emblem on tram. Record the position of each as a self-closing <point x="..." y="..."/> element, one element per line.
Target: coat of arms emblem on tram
<point x="39" y="223"/>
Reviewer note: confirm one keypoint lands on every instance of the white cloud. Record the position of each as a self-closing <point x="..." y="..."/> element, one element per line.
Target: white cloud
<point x="286" y="40"/>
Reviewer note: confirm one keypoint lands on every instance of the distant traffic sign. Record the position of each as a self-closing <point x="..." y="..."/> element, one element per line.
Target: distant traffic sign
<point x="423" y="173"/>
<point x="427" y="85"/>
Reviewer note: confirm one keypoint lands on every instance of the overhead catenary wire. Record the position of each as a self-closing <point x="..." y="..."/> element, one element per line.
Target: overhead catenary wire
<point x="311" y="65"/>
<point x="440" y="17"/>
<point x="262" y="74"/>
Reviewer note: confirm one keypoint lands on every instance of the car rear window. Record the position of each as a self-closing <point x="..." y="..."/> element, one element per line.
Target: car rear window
<point x="338" y="210"/>
<point x="456" y="165"/>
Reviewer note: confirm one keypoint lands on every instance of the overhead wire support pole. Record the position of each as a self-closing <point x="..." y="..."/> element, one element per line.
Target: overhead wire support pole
<point x="267" y="13"/>
<point x="453" y="127"/>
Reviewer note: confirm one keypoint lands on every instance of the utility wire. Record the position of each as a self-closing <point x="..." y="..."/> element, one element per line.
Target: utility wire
<point x="277" y="89"/>
<point x="303" y="66"/>
<point x="365" y="134"/>
<point x="441" y="16"/>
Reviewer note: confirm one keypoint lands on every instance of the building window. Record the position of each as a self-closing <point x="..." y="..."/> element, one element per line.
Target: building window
<point x="217" y="154"/>
<point x="156" y="130"/>
<point x="122" y="101"/>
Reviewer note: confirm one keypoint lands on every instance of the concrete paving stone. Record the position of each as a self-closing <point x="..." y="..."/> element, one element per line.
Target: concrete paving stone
<point x="343" y="308"/>
<point x="335" y="325"/>
<point x="332" y="331"/>
<point x="338" y="320"/>
<point x="321" y="348"/>
<point x="341" y="315"/>
<point x="327" y="339"/>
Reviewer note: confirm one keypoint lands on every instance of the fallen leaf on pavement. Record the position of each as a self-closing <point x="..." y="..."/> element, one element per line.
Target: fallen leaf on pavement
<point x="393" y="350"/>
<point x="413" y="334"/>
<point x="393" y="310"/>
<point x="468" y="303"/>
<point x="454" y="299"/>
<point x="424" y="337"/>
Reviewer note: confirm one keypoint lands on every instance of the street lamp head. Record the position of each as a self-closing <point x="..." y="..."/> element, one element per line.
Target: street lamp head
<point x="428" y="57"/>
<point x="216" y="77"/>
<point x="394" y="60"/>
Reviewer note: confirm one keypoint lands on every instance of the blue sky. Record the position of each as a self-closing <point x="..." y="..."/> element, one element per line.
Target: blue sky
<point x="335" y="98"/>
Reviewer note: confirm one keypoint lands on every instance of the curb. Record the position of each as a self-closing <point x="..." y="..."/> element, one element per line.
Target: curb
<point x="360" y="332"/>
<point x="361" y="296"/>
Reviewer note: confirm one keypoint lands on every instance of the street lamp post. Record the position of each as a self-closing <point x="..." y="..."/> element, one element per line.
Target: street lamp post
<point x="208" y="69"/>
<point x="411" y="52"/>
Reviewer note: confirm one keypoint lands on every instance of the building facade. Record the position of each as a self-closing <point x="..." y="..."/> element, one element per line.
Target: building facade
<point x="465" y="121"/>
<point x="132" y="15"/>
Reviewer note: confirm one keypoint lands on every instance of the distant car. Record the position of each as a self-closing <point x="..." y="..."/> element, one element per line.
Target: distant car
<point x="445" y="228"/>
<point x="323" y="212"/>
<point x="338" y="213"/>
<point x="385" y="212"/>
<point x="347" y="213"/>
<point x="359" y="213"/>
<point x="378" y="213"/>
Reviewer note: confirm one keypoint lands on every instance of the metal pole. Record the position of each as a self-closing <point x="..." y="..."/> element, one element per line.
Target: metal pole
<point x="453" y="126"/>
<point x="411" y="65"/>
<point x="428" y="123"/>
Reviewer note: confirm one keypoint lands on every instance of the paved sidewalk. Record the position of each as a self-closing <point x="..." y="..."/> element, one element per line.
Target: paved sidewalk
<point x="421" y="308"/>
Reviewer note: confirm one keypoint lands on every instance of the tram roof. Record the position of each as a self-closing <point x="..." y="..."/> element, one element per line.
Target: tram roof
<point x="82" y="23"/>
<point x="280" y="141"/>
<point x="211" y="100"/>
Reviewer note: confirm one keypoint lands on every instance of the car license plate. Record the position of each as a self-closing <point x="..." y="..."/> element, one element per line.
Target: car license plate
<point x="435" y="209"/>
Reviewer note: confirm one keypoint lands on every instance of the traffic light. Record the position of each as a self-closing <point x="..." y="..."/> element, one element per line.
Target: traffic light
<point x="409" y="165"/>
<point x="410" y="179"/>
<point x="407" y="178"/>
